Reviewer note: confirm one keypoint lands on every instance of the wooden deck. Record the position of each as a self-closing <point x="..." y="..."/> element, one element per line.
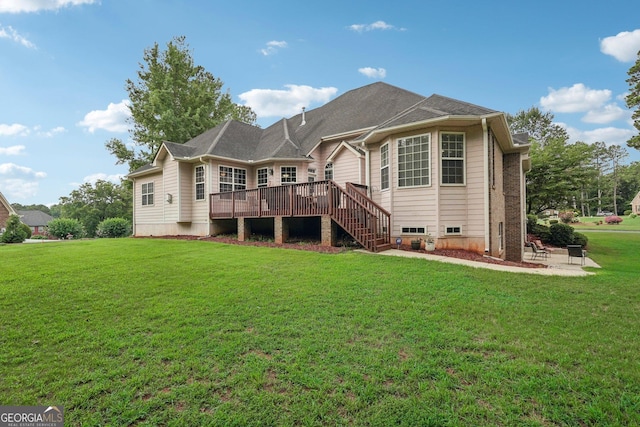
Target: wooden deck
<point x="350" y="208"/>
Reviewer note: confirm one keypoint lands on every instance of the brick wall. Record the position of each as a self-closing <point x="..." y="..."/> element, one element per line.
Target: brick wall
<point x="513" y="207"/>
<point x="4" y="215"/>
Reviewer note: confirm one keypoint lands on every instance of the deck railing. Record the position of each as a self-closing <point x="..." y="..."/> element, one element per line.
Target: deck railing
<point x="360" y="216"/>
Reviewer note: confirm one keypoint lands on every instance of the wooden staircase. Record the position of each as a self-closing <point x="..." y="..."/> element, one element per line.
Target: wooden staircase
<point x="367" y="222"/>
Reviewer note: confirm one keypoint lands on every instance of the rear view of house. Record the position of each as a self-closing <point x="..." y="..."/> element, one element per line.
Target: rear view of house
<point x="378" y="163"/>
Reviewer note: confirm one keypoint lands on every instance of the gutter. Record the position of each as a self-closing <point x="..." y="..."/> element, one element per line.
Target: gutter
<point x="487" y="222"/>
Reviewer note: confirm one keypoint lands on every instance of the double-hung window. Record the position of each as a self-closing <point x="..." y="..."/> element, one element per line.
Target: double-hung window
<point x="199" y="182"/>
<point x="288" y="174"/>
<point x="328" y="171"/>
<point x="413" y="161"/>
<point x="147" y="194"/>
<point x="384" y="167"/>
<point x="262" y="177"/>
<point x="453" y="170"/>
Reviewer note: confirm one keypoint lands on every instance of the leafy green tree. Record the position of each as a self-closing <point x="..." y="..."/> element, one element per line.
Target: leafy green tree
<point x="558" y="168"/>
<point x="538" y="125"/>
<point x="14" y="232"/>
<point x="91" y="204"/>
<point x="173" y="100"/>
<point x="633" y="100"/>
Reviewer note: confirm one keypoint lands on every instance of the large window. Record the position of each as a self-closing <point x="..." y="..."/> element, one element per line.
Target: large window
<point x="384" y="167"/>
<point x="232" y="179"/>
<point x="452" y="158"/>
<point x="147" y="194"/>
<point x="413" y="161"/>
<point x="288" y="174"/>
<point x="263" y="177"/>
<point x="200" y="182"/>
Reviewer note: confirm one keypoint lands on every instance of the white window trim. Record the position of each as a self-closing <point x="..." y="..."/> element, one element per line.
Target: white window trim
<point x="447" y="231"/>
<point x="204" y="182"/>
<point x="464" y="159"/>
<point x="233" y="179"/>
<point x="266" y="184"/>
<point x="289" y="182"/>
<point x="420" y="230"/>
<point x="388" y="166"/>
<point x="397" y="162"/>
<point x="142" y="194"/>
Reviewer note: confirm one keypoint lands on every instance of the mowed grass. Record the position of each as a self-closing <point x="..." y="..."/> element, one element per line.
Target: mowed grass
<point x="589" y="223"/>
<point x="162" y="332"/>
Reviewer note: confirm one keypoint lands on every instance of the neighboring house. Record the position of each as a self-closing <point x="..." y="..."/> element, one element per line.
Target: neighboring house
<point x="378" y="163"/>
<point x="635" y="204"/>
<point x="5" y="210"/>
<point x="36" y="220"/>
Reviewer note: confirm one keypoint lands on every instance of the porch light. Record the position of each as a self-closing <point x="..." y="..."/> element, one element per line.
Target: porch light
<point x="270" y="171"/>
<point x="169" y="198"/>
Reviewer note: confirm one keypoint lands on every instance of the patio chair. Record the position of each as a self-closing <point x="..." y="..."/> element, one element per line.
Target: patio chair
<point x="576" y="251"/>
<point x="537" y="252"/>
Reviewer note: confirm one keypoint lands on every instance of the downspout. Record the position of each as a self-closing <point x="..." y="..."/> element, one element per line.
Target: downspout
<point x="367" y="169"/>
<point x="133" y="209"/>
<point x="487" y="220"/>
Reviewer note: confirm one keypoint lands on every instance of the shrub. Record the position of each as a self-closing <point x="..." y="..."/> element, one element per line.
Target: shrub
<point x="114" y="227"/>
<point x="14" y="232"/>
<point x="633" y="215"/>
<point x="628" y="212"/>
<point x="613" y="219"/>
<point x="561" y="234"/>
<point x="65" y="228"/>
<point x="27" y="230"/>
<point x="566" y="217"/>
<point x="580" y="239"/>
<point x="553" y="221"/>
<point x="532" y="222"/>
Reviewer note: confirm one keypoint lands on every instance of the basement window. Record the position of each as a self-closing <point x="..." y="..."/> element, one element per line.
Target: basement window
<point x="414" y="230"/>
<point x="453" y="229"/>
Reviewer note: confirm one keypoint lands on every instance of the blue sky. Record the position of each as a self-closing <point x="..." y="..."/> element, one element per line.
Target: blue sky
<point x="64" y="63"/>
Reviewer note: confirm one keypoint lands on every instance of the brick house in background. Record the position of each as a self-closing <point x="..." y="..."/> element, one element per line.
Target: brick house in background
<point x="36" y="220"/>
<point x="378" y="163"/>
<point x="5" y="211"/>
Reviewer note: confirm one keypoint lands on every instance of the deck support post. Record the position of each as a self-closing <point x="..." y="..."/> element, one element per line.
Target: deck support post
<point x="280" y="230"/>
<point x="244" y="229"/>
<point x="328" y="231"/>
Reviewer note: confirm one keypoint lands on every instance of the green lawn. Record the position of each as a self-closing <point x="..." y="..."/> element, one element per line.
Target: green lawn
<point x="161" y="332"/>
<point x="627" y="224"/>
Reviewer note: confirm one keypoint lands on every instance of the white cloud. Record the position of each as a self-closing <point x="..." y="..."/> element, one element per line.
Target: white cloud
<point x="624" y="46"/>
<point x="11" y="34"/>
<point x="18" y="188"/>
<point x="378" y="25"/>
<point x="607" y="114"/>
<point x="113" y="119"/>
<point x="16" y="170"/>
<point x="608" y="135"/>
<point x="374" y="73"/>
<point x="18" y="6"/>
<point x="273" y="47"/>
<point x="282" y="103"/>
<point x="19" y="182"/>
<point x="14" y="150"/>
<point x="574" y="99"/>
<point x="14" y="130"/>
<point x="103" y="177"/>
<point x="50" y="133"/>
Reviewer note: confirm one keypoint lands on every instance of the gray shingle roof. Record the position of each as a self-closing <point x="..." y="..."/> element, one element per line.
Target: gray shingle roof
<point x="34" y="218"/>
<point x="375" y="106"/>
